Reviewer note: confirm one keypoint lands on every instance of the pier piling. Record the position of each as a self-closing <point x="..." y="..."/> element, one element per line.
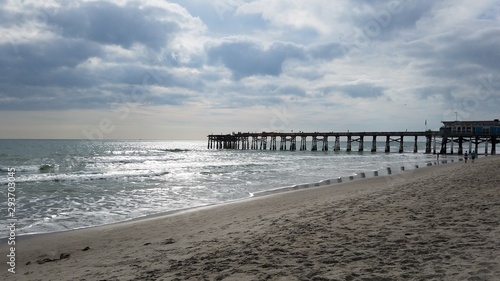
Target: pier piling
<point x="325" y="143"/>
<point x="303" y="145"/>
<point x="374" y="144"/>
<point x="337" y="144"/>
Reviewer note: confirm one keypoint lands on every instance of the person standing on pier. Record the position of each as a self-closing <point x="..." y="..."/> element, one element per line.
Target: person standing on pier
<point x="466" y="156"/>
<point x="473" y="155"/>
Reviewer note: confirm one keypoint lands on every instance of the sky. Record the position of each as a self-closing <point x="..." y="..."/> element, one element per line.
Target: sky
<point x="184" y="69"/>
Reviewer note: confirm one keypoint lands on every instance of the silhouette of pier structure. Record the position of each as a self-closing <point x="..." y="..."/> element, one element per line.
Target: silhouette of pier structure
<point x="319" y="140"/>
<point x="453" y="132"/>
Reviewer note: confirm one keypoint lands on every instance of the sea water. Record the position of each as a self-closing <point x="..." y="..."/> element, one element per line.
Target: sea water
<point x="68" y="184"/>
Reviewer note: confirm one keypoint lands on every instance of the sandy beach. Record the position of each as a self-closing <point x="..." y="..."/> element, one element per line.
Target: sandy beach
<point x="432" y="223"/>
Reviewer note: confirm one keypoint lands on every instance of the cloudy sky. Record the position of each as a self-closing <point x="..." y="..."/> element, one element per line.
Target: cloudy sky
<point x="182" y="69"/>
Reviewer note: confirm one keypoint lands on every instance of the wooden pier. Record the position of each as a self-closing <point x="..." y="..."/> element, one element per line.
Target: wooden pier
<point x="461" y="132"/>
<point x="319" y="140"/>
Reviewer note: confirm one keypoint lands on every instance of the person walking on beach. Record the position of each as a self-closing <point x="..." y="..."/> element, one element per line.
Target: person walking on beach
<point x="466" y="156"/>
<point x="473" y="155"/>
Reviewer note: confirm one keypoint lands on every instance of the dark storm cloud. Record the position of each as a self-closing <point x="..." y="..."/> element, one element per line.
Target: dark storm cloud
<point x="51" y="68"/>
<point x="42" y="64"/>
<point x="108" y="23"/>
<point x="246" y="58"/>
<point x="61" y="59"/>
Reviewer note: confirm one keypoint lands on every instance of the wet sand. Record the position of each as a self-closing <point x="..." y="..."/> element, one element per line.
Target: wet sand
<point x="432" y="223"/>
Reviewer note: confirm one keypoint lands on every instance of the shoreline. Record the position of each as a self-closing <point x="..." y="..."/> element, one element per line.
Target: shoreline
<point x="434" y="222"/>
<point x="325" y="182"/>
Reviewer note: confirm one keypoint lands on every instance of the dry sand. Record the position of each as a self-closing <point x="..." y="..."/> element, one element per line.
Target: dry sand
<point x="437" y="223"/>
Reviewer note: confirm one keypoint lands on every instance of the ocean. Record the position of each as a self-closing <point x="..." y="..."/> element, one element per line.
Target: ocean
<point x="61" y="185"/>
